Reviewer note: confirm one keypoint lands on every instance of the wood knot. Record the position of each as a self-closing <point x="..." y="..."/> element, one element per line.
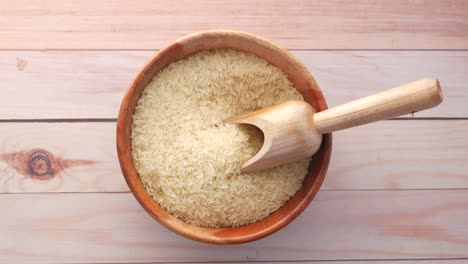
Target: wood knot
<point x="40" y="165"/>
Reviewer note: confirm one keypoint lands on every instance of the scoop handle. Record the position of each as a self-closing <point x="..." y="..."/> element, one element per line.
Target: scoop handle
<point x="401" y="100"/>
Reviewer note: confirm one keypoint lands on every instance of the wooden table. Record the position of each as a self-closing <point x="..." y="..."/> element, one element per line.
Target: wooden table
<point x="396" y="190"/>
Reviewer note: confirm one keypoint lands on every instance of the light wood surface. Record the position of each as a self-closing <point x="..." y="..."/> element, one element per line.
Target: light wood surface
<point x="93" y="228"/>
<point x="422" y="154"/>
<point x="337" y="24"/>
<point x="399" y="187"/>
<point x="439" y="261"/>
<point x="88" y="150"/>
<point x="419" y="261"/>
<point x="90" y="84"/>
<point x="408" y="150"/>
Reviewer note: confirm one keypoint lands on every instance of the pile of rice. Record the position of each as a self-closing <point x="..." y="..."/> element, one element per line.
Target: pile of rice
<point x="188" y="162"/>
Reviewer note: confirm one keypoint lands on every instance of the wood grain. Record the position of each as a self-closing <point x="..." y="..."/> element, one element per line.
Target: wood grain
<point x="348" y="75"/>
<point x="91" y="84"/>
<point x="416" y="261"/>
<point x="370" y="226"/>
<point x="58" y="84"/>
<point x="59" y="157"/>
<point x="337" y="225"/>
<point x="337" y="24"/>
<point x="397" y="154"/>
<point x="423" y="154"/>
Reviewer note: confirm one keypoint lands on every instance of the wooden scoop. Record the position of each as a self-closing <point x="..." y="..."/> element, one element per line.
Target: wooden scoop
<point x="293" y="131"/>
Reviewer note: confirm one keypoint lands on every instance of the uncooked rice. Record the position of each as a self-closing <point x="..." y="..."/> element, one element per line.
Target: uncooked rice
<point x="188" y="161"/>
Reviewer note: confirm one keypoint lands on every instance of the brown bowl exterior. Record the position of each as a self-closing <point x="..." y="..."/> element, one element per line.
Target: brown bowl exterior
<point x="298" y="75"/>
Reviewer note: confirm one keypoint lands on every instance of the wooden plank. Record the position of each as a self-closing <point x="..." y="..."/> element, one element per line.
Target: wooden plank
<point x="397" y="154"/>
<point x="417" y="261"/>
<point x="337" y="24"/>
<point x="56" y="84"/>
<point x="338" y="225"/>
<point x="402" y="154"/>
<point x="79" y="157"/>
<point x="348" y="75"/>
<point x="90" y="84"/>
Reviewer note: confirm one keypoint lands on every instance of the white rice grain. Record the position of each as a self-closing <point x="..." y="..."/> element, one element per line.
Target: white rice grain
<point x="191" y="166"/>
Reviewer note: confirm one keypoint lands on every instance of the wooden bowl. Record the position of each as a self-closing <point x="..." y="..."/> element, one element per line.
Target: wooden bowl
<point x="297" y="74"/>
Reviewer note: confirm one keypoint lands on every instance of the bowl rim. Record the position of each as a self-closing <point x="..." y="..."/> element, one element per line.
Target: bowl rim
<point x="227" y="235"/>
